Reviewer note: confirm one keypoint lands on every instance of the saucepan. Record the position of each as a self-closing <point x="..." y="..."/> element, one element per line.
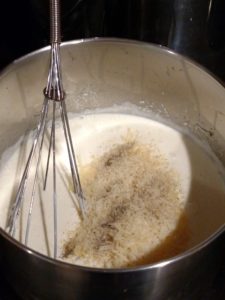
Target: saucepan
<point x="104" y="73"/>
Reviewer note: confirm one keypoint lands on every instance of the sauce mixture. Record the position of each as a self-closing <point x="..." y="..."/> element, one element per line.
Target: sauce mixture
<point x="151" y="192"/>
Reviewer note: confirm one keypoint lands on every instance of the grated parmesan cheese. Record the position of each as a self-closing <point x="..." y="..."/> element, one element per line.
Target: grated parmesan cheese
<point x="135" y="213"/>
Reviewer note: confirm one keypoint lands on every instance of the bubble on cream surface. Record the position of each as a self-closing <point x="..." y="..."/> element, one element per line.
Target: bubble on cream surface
<point x="94" y="135"/>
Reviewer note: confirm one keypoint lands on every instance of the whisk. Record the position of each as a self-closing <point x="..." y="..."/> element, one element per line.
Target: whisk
<point x="54" y="94"/>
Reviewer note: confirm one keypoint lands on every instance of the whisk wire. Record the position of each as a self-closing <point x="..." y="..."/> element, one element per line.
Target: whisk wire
<point x="22" y="186"/>
<point x="48" y="160"/>
<point x="54" y="182"/>
<point x="71" y="154"/>
<point x="42" y="133"/>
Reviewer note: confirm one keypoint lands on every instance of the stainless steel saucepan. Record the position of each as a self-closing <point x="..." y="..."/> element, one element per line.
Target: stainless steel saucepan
<point x="101" y="73"/>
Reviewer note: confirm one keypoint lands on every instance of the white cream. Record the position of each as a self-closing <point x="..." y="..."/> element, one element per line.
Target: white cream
<point x="201" y="183"/>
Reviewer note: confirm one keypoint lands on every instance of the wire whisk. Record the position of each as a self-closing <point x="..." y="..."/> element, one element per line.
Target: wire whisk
<point x="53" y="94"/>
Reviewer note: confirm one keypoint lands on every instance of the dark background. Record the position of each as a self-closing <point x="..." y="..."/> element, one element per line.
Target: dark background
<point x="195" y="28"/>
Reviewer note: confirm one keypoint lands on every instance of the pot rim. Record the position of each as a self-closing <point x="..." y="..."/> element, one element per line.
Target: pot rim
<point x="159" y="47"/>
<point x="164" y="262"/>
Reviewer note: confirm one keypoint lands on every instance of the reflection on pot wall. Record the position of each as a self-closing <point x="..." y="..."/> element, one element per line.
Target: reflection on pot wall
<point x="194" y="28"/>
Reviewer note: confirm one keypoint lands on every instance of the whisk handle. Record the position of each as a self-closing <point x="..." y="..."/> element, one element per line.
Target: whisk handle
<point x="54" y="89"/>
<point x="55" y="22"/>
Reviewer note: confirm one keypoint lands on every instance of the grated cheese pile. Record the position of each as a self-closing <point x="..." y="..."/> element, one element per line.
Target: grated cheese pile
<point x="134" y="206"/>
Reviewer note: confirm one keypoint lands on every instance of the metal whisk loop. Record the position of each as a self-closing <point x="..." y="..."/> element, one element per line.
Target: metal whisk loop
<point x="54" y="91"/>
<point x="71" y="153"/>
<point x="22" y="187"/>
